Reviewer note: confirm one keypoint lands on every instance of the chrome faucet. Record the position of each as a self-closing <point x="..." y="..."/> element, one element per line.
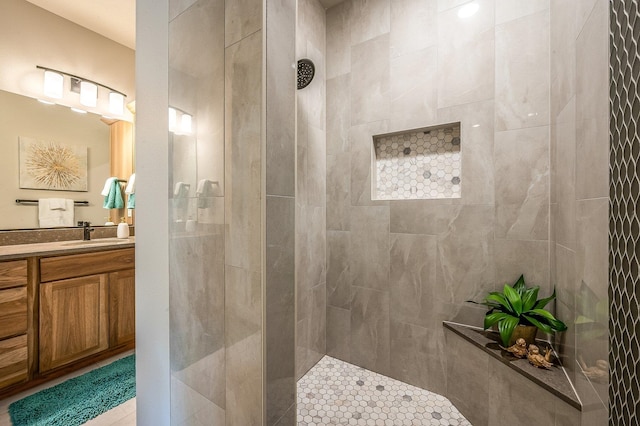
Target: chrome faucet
<point x="86" y="227"/>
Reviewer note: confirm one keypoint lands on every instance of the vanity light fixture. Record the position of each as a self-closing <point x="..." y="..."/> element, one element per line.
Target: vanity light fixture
<point x="89" y="91"/>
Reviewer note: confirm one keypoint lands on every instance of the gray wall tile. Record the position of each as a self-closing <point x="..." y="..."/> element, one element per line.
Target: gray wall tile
<point x="369" y="254"/>
<point x="339" y="333"/>
<point x="339" y="275"/>
<point x="370" y="83"/>
<point x="370" y="340"/>
<point x="242" y="18"/>
<point x="280" y="108"/>
<point x="418" y="356"/>
<point x="522" y="94"/>
<point x="412" y="279"/>
<point x="468" y="380"/>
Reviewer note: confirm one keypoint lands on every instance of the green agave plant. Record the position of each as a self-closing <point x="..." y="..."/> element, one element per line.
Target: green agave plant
<point x="519" y="304"/>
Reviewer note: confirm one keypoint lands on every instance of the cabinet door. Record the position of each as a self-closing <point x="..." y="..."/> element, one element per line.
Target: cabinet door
<point x="73" y="320"/>
<point x="122" y="305"/>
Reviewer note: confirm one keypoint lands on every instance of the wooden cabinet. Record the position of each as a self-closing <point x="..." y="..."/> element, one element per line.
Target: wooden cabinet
<point x="73" y="320"/>
<point x="14" y="367"/>
<point x="60" y="313"/>
<point x="122" y="314"/>
<point x="87" y="305"/>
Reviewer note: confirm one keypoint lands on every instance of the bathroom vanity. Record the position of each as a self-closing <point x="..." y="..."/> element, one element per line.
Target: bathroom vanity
<point x="63" y="305"/>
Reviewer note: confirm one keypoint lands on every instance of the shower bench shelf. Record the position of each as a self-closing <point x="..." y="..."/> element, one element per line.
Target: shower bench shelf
<point x="554" y="380"/>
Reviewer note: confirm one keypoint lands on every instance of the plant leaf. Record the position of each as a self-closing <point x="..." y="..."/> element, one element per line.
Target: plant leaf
<point x="514" y="299"/>
<point x="498" y="299"/>
<point x="543" y="302"/>
<point x="493" y="318"/>
<point x="555" y="324"/>
<point x="519" y="285"/>
<point x="506" y="327"/>
<point x="529" y="298"/>
<point x="544" y="327"/>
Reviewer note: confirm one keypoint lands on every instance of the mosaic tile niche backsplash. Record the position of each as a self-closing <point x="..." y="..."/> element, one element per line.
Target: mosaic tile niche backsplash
<point x="418" y="164"/>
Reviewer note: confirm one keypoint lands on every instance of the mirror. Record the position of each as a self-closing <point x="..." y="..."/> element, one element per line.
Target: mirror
<point x="24" y="117"/>
<point x="52" y="35"/>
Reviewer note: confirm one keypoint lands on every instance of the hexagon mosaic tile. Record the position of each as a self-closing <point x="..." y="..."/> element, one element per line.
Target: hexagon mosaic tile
<point x="421" y="164"/>
<point x="335" y="392"/>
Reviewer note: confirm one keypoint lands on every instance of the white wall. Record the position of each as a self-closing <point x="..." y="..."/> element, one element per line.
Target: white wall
<point x="25" y="117"/>
<point x="152" y="215"/>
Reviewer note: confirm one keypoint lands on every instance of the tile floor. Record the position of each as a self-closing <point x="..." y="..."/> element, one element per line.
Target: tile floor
<point x="122" y="415"/>
<point x="334" y="392"/>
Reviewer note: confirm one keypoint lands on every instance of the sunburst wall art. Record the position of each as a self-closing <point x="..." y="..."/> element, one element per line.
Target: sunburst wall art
<point x="52" y="165"/>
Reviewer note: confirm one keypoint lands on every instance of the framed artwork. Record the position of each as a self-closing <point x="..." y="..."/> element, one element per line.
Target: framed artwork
<point x="52" y="165"/>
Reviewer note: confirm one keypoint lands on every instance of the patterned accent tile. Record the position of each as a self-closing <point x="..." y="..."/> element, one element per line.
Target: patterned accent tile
<point x="624" y="263"/>
<point x="335" y="392"/>
<point x="418" y="164"/>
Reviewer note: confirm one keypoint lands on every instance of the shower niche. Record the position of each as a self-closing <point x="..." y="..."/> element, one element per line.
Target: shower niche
<point x="420" y="164"/>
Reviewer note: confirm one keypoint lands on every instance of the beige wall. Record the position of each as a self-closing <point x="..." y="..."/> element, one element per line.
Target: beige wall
<point x="25" y="117"/>
<point x="31" y="36"/>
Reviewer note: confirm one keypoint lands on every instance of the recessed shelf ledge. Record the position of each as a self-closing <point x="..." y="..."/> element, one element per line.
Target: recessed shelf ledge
<point x="554" y="380"/>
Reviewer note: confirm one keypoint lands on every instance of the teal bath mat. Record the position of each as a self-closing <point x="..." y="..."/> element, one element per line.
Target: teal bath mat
<point x="80" y="399"/>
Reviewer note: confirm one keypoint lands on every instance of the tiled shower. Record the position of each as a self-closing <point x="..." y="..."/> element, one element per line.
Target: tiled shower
<point x="432" y="158"/>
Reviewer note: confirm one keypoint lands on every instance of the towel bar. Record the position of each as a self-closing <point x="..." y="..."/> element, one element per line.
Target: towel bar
<point x="77" y="203"/>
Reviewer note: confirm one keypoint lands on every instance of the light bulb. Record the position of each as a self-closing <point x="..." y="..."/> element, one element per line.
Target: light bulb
<point x="116" y="103"/>
<point x="88" y="94"/>
<point x="53" y="84"/>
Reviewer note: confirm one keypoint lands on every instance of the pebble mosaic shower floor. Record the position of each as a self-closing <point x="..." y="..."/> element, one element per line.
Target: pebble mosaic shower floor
<point x="335" y="392"/>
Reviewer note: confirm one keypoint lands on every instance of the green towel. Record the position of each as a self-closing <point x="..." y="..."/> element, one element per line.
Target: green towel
<point x="114" y="199"/>
<point x="131" y="202"/>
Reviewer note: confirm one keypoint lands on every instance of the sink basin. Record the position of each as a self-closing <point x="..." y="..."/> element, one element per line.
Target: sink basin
<point x="95" y="242"/>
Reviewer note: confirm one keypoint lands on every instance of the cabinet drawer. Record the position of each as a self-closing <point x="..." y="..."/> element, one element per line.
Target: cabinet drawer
<point x="79" y="265"/>
<point x="13" y="360"/>
<point x="13" y="311"/>
<point x="13" y="274"/>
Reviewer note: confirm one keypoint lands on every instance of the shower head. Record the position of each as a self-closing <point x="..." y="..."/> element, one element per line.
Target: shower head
<point x="306" y="71"/>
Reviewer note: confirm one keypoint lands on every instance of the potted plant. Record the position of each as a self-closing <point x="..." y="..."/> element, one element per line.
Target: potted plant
<point x="518" y="312"/>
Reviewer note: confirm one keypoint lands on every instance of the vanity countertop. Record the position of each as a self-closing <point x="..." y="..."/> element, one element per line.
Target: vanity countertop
<point x="20" y="251"/>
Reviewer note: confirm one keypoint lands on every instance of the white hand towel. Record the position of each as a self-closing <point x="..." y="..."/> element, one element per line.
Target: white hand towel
<point x="181" y="190"/>
<point x="131" y="185"/>
<point x="57" y="203"/>
<point x="177" y="188"/>
<point x="107" y="186"/>
<point x="203" y="185"/>
<point x="50" y="218"/>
